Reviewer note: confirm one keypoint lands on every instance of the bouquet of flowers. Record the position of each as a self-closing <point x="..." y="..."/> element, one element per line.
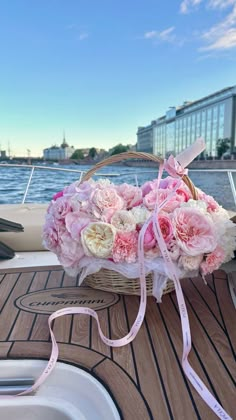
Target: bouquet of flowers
<point x="96" y="224"/>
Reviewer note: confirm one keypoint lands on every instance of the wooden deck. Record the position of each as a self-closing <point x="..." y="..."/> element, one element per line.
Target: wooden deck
<point x="145" y="378"/>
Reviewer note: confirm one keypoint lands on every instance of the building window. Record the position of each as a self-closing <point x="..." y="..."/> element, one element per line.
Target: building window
<point x="198" y="125"/>
<point x="203" y="123"/>
<point x="170" y="138"/>
<point x="221" y="121"/>
<point x="214" y="130"/>
<point x="208" y="132"/>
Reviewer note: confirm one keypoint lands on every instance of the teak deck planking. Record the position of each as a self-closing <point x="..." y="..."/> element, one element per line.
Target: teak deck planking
<point x="145" y="378"/>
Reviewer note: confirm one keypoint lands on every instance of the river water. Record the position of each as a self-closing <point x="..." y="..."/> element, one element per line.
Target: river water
<point x="13" y="182"/>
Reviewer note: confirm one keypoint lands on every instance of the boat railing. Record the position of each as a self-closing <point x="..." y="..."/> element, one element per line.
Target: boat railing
<point x="79" y="172"/>
<point x="113" y="175"/>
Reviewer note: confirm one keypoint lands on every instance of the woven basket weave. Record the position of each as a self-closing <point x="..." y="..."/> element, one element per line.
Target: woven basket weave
<point x="112" y="281"/>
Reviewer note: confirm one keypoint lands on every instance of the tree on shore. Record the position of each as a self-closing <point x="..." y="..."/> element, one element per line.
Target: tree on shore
<point x="92" y="152"/>
<point x="78" y="154"/>
<point x="223" y="146"/>
<point x="119" y="148"/>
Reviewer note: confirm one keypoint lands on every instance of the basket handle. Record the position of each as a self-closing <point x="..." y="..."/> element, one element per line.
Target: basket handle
<point x="135" y="155"/>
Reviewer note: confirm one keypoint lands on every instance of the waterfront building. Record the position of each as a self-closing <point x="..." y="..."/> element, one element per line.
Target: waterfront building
<point x="59" y="152"/>
<point x="212" y="117"/>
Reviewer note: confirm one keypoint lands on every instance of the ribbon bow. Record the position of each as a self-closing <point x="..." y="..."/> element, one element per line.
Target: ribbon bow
<point x="175" y="166"/>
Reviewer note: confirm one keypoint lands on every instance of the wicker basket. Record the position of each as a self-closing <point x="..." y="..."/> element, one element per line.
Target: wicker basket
<point x="112" y="281"/>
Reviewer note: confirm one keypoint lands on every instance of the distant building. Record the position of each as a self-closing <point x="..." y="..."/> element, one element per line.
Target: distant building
<point x="3" y="154"/>
<point x="212" y="117"/>
<point x="59" y="152"/>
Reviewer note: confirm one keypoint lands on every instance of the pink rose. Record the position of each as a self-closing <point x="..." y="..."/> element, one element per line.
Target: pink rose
<point x="213" y="261"/>
<point x="106" y="199"/>
<point x="125" y="247"/>
<point x="165" y="226"/>
<point x="149" y="238"/>
<point x="184" y="194"/>
<point x="166" y="230"/>
<point x="194" y="231"/>
<point x="131" y="195"/>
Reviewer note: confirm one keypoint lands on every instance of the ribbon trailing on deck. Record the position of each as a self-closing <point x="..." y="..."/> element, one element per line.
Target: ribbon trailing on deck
<point x="175" y="167"/>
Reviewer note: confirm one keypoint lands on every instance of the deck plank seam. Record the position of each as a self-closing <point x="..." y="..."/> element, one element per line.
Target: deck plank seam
<point x="200" y="360"/>
<point x="4" y="275"/>
<point x="204" y="300"/>
<point x="98" y="363"/>
<point x="62" y="279"/>
<point x="131" y="345"/>
<point x="159" y="371"/>
<point x="210" y="339"/>
<point x="10" y="293"/>
<point x="46" y="283"/>
<point x="179" y="364"/>
<point x="223" y="321"/>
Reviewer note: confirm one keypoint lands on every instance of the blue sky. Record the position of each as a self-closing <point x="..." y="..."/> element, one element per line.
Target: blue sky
<point x="100" y="68"/>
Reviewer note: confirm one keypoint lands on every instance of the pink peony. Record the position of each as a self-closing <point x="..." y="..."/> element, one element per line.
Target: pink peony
<point x="103" y="200"/>
<point x="75" y="222"/>
<point x="57" y="195"/>
<point x="125" y="247"/>
<point x="213" y="261"/>
<point x="150" y="199"/>
<point x="174" y="203"/>
<point x="70" y="252"/>
<point x="131" y="195"/>
<point x="50" y="238"/>
<point x="194" y="231"/>
<point x="146" y="188"/>
<point x="84" y="190"/>
<point x="60" y="208"/>
<point x="212" y="205"/>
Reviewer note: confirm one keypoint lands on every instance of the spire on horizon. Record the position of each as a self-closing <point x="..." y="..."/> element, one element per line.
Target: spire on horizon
<point x="64" y="143"/>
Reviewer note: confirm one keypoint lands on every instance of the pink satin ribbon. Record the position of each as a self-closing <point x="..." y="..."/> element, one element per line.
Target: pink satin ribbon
<point x="178" y="170"/>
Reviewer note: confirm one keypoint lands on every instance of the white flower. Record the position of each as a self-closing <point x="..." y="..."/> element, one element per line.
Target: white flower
<point x="226" y="232"/>
<point x="199" y="204"/>
<point x="190" y="263"/>
<point x="97" y="239"/>
<point x="103" y="183"/>
<point x="123" y="220"/>
<point x="140" y="214"/>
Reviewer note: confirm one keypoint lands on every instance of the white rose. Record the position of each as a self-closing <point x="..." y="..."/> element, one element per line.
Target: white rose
<point x="190" y="263"/>
<point x="140" y="214"/>
<point x="123" y="220"/>
<point x="199" y="204"/>
<point x="97" y="239"/>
